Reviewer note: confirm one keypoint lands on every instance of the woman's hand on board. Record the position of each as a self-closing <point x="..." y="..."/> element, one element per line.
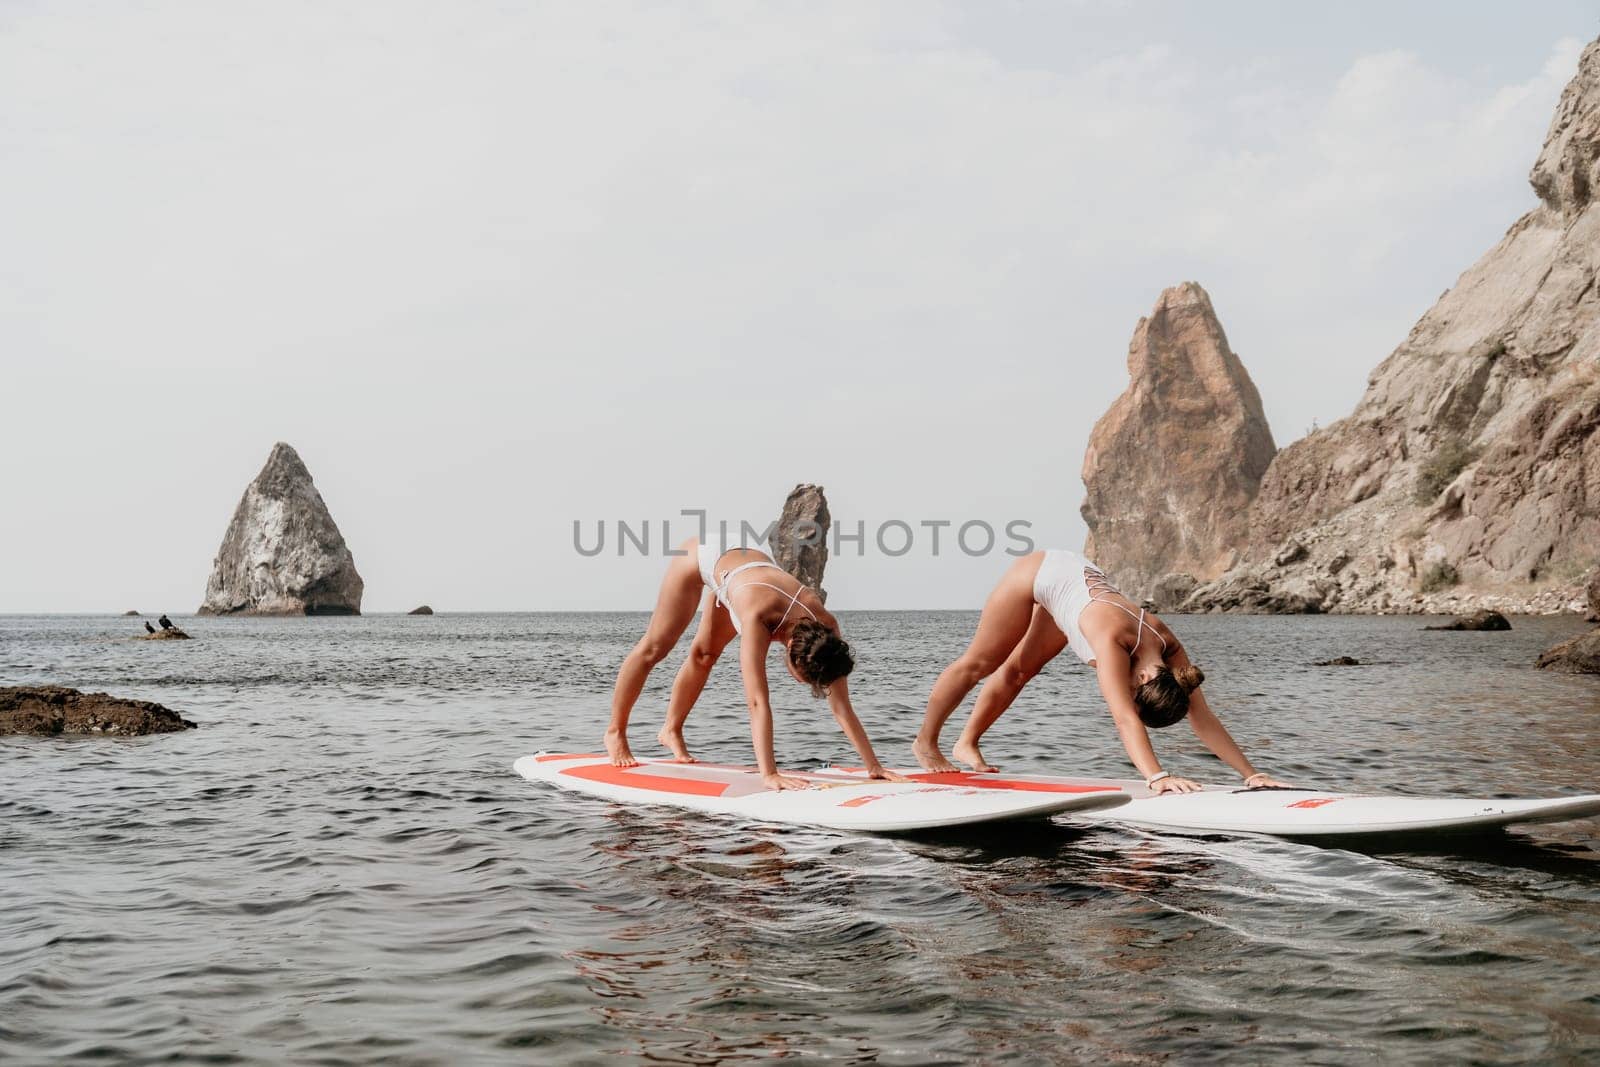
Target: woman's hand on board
<point x="1174" y="784"/>
<point x="777" y="782"/>
<point x="883" y="775"/>
<point x="1263" y="780"/>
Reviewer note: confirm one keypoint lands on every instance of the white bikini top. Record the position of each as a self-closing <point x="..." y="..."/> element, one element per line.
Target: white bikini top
<point x="722" y="592"/>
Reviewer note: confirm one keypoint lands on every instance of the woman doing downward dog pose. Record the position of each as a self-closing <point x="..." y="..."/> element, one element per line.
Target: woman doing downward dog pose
<point x="1048" y="601"/>
<point x="750" y="597"/>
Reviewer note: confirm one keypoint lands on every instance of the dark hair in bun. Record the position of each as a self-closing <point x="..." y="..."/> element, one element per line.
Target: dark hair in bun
<point x="819" y="656"/>
<point x="1164" y="699"/>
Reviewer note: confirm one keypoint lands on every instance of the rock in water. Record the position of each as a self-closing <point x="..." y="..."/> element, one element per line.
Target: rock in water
<point x="282" y="554"/>
<point x="1469" y="475"/>
<point x="50" y="710"/>
<point x="421" y="610"/>
<point x="800" y="540"/>
<point x="130" y="613"/>
<point x="1482" y="620"/>
<point x="1581" y="655"/>
<point x="173" y="634"/>
<point x="1172" y="467"/>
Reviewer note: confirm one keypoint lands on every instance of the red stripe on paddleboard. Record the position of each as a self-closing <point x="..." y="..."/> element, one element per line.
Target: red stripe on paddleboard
<point x="985" y="781"/>
<point x="628" y="776"/>
<point x="856" y="802"/>
<point x="548" y="756"/>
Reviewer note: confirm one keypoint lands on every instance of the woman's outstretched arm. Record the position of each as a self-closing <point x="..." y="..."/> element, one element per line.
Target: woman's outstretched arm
<point x="1209" y="729"/>
<point x="1115" y="676"/>
<point x="845" y="715"/>
<point x="753" y="666"/>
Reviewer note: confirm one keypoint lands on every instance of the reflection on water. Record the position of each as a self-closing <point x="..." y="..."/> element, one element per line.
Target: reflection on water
<point x="340" y="866"/>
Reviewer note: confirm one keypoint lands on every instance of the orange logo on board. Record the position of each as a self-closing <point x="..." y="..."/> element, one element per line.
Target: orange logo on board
<point x="1313" y="802"/>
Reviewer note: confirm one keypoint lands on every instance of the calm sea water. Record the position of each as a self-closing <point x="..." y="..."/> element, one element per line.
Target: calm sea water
<point x="339" y="866"/>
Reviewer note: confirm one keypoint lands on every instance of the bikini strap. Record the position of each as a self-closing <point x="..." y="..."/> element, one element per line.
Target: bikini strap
<point x="1096" y="582"/>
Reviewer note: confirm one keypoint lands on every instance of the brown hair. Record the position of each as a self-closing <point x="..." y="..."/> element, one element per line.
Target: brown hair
<point x="1164" y="699"/>
<point x="819" y="656"/>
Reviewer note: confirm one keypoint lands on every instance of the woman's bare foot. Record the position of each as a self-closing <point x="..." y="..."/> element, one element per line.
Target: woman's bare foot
<point x="967" y="752"/>
<point x="672" y="741"/>
<point x="617" y="749"/>
<point x="930" y="757"/>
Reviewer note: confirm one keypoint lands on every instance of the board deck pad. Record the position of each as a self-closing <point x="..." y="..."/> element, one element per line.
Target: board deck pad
<point x="835" y="801"/>
<point x="1297" y="813"/>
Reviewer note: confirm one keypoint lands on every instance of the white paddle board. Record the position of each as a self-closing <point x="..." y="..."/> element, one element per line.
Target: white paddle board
<point x="1298" y="813"/>
<point x="835" y="801"/>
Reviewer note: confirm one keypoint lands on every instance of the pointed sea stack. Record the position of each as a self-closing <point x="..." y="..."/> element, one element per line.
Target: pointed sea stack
<point x="1172" y="467"/>
<point x="800" y="540"/>
<point x="283" y="554"/>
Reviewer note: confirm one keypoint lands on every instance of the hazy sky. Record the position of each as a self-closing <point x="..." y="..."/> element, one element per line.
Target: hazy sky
<point x="494" y="267"/>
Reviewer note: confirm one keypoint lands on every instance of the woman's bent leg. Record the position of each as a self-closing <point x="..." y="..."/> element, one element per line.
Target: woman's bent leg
<point x="1041" y="644"/>
<point x="716" y="630"/>
<point x="675" y="606"/>
<point x="1005" y="619"/>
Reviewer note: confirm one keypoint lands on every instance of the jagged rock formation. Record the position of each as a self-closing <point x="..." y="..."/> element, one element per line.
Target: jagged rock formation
<point x="1172" y="467"/>
<point x="52" y="710"/>
<point x="1469" y="475"/>
<point x="282" y="554"/>
<point x="800" y="540"/>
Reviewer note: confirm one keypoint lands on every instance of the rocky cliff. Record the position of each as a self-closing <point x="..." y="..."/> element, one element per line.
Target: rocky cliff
<point x="800" y="540"/>
<point x="1468" y="476"/>
<point x="283" y="554"/>
<point x="1172" y="467"/>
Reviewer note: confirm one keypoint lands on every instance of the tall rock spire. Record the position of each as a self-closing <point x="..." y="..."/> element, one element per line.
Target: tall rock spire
<point x="1172" y="467"/>
<point x="800" y="538"/>
<point x="283" y="554"/>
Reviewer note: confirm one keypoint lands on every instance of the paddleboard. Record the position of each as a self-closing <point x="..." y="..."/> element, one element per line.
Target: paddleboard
<point x="835" y="801"/>
<point x="1295" y="813"/>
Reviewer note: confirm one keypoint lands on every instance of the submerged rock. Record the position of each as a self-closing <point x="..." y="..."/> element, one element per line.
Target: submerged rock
<point x="283" y="554"/>
<point x="173" y="634"/>
<point x="1482" y="620"/>
<point x="1172" y="467"/>
<point x="800" y="540"/>
<point x="54" y="710"/>
<point x="1338" y="661"/>
<point x="421" y="610"/>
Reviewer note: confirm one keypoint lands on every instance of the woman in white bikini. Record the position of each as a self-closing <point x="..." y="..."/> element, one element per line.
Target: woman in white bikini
<point x="1052" y="600"/>
<point x="748" y="596"/>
